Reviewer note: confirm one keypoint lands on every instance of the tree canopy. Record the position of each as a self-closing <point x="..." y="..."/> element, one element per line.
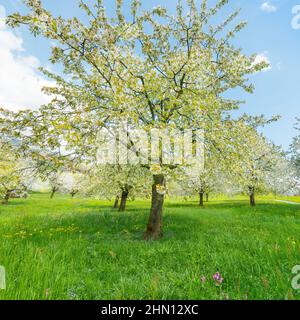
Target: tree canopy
<point x="151" y="68"/>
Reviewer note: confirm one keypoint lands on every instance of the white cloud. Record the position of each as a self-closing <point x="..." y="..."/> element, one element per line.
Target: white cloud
<point x="263" y="57"/>
<point x="20" y="81"/>
<point x="268" y="7"/>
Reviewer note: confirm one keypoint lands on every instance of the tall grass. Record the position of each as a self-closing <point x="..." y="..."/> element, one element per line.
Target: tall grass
<point x="82" y="249"/>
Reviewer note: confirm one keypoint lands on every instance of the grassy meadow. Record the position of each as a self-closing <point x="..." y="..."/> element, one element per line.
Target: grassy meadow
<point x="82" y="249"/>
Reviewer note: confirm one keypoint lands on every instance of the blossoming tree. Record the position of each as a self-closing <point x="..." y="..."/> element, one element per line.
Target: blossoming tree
<point x="11" y="177"/>
<point x="295" y="149"/>
<point x="155" y="69"/>
<point x="257" y="160"/>
<point x="119" y="182"/>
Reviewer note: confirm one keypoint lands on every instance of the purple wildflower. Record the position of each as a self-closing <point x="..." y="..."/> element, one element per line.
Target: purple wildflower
<point x="218" y="278"/>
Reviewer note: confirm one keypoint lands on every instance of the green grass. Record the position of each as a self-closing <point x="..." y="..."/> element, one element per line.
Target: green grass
<point x="291" y="198"/>
<point x="279" y="197"/>
<point x="81" y="249"/>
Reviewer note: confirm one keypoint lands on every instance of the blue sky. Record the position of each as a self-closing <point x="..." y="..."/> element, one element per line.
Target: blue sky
<point x="269" y="33"/>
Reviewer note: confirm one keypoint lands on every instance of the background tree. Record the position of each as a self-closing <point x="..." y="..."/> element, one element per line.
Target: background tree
<point x="55" y="182"/>
<point x="122" y="181"/>
<point x="202" y="182"/>
<point x="295" y="149"/>
<point x="283" y="179"/>
<point x="11" y="180"/>
<point x="72" y="183"/>
<point x="257" y="160"/>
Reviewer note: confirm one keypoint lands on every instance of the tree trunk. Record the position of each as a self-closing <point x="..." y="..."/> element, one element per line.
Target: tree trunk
<point x="123" y="200"/>
<point x="252" y="197"/>
<point x="201" y="202"/>
<point x="53" y="193"/>
<point x="252" y="200"/>
<point x="154" y="226"/>
<point x="116" y="202"/>
<point x="6" y="197"/>
<point x="207" y="197"/>
<point x="73" y="193"/>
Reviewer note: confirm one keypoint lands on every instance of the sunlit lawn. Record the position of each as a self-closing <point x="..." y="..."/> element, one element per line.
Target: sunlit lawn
<point x="291" y="198"/>
<point x="82" y="249"/>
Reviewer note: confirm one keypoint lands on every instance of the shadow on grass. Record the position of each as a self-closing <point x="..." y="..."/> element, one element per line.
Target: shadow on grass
<point x="226" y="204"/>
<point x="106" y="226"/>
<point x="100" y="222"/>
<point x="13" y="203"/>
